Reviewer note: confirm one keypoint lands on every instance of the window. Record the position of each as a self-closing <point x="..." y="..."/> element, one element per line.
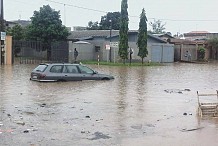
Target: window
<point x="97" y="48"/>
<point x="85" y="69"/>
<point x="70" y="69"/>
<point x="56" y="69"/>
<point x="41" y="68"/>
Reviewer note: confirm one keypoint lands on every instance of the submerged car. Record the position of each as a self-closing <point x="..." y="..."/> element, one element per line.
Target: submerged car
<point x="66" y="72"/>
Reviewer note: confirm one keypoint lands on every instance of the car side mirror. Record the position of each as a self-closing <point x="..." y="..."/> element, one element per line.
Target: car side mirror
<point x="95" y="72"/>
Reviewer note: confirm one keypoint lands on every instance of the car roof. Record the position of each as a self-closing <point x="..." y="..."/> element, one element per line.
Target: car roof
<point x="60" y="64"/>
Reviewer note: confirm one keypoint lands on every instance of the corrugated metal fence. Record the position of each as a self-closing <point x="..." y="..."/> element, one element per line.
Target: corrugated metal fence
<point x="31" y="52"/>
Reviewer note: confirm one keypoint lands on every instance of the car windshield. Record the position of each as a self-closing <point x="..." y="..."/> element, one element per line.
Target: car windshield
<point x="85" y="69"/>
<point x="41" y="68"/>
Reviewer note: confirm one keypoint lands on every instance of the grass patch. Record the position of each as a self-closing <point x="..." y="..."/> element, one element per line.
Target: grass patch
<point x="121" y="64"/>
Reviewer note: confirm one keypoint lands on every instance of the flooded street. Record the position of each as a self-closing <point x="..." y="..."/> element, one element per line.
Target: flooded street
<point x="143" y="106"/>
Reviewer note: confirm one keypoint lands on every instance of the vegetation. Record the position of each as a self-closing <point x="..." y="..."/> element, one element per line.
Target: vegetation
<point x="47" y="27"/>
<point x="93" y="25"/>
<point x="109" y="21"/>
<point x="121" y="64"/>
<point x="123" y="34"/>
<point x="201" y="53"/>
<point x="157" y="27"/>
<point x="142" y="36"/>
<point x="213" y="43"/>
<point x="18" y="32"/>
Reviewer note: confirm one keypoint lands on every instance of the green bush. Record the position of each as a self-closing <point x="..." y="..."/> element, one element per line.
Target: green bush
<point x="201" y="53"/>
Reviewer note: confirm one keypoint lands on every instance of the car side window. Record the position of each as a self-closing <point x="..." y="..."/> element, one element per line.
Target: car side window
<point x="85" y="69"/>
<point x="70" y="69"/>
<point x="56" y="69"/>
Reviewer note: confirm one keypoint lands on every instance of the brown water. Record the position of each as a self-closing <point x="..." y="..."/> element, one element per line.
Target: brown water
<point x="132" y="110"/>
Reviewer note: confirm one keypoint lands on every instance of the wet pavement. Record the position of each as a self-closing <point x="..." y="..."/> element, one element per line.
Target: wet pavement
<point x="142" y="106"/>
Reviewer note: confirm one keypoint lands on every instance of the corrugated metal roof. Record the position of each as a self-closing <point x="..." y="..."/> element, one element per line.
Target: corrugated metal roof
<point x="102" y="33"/>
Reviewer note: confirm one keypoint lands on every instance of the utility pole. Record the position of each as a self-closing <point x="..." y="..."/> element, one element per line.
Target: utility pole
<point x="1" y="30"/>
<point x="110" y="39"/>
<point x="2" y="15"/>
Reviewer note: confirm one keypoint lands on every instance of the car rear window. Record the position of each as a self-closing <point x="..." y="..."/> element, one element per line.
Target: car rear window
<point x="41" y="68"/>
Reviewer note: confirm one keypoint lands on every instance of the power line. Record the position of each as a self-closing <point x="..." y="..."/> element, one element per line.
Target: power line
<point x="194" y="20"/>
<point x="85" y="8"/>
<point x="101" y="11"/>
<point x="77" y="6"/>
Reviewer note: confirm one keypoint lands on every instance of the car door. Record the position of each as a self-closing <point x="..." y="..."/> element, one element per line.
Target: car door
<point x="71" y="73"/>
<point x="55" y="73"/>
<point x="87" y="73"/>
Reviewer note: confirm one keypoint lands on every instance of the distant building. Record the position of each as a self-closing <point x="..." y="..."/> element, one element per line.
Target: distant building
<point x="165" y="36"/>
<point x="79" y="28"/>
<point x="23" y="23"/>
<point x="196" y="35"/>
<point x="95" y="44"/>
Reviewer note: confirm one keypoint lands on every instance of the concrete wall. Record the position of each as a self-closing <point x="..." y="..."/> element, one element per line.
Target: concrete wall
<point x="89" y="50"/>
<point x="86" y="51"/>
<point x="8" y="50"/>
<point x="166" y="52"/>
<point x="180" y="52"/>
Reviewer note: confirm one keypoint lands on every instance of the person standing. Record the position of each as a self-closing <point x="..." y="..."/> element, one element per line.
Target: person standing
<point x="76" y="53"/>
<point x="188" y="56"/>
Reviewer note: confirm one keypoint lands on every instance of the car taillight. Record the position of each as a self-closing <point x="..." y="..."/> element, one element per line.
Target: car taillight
<point x="41" y="76"/>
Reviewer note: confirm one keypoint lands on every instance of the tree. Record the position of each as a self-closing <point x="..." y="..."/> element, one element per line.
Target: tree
<point x="47" y="27"/>
<point x="213" y="44"/>
<point x="17" y="32"/>
<point x="142" y="36"/>
<point x="157" y="27"/>
<point x="110" y="21"/>
<point x="93" y="25"/>
<point x="201" y="53"/>
<point x="123" y="33"/>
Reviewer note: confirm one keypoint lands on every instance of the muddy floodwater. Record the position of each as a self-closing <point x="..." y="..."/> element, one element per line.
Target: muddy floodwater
<point x="142" y="106"/>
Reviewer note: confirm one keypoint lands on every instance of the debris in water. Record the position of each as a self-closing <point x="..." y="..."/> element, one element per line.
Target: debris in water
<point x="26" y="131"/>
<point x="176" y="90"/>
<point x="193" y="129"/>
<point x="20" y="123"/>
<point x="43" y="105"/>
<point x="99" y="135"/>
<point x="137" y="126"/>
<point x="185" y="114"/>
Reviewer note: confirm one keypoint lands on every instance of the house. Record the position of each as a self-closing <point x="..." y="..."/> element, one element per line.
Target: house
<point x="196" y="35"/>
<point x="182" y="46"/>
<point x="103" y="45"/>
<point x="165" y="36"/>
<point x="23" y="23"/>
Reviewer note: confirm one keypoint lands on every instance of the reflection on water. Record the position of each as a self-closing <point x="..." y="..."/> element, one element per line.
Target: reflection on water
<point x="133" y="109"/>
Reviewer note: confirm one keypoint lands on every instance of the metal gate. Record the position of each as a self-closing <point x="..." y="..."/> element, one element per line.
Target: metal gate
<point x="162" y="53"/>
<point x="60" y="52"/>
<point x="34" y="52"/>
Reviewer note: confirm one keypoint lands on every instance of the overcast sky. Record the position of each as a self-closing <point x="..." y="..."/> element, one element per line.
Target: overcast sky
<point x="180" y="16"/>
